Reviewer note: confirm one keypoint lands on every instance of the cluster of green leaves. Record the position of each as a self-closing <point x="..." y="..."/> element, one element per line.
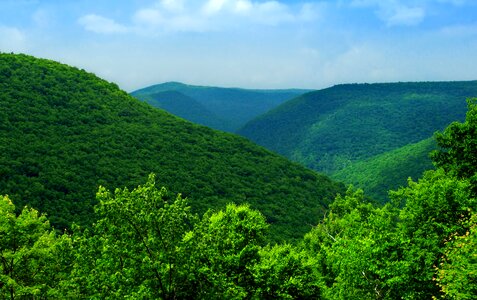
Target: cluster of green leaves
<point x="331" y="129"/>
<point x="64" y="132"/>
<point x="225" y="109"/>
<point x="457" y="273"/>
<point x="34" y="260"/>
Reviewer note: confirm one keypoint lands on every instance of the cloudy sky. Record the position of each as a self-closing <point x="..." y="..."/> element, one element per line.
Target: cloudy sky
<point x="249" y="43"/>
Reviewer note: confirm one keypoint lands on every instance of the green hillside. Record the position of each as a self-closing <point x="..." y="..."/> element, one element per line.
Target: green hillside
<point x="146" y="245"/>
<point x="234" y="105"/>
<point x="331" y="129"/>
<point x="64" y="132"/>
<point x="389" y="170"/>
<point x="185" y="107"/>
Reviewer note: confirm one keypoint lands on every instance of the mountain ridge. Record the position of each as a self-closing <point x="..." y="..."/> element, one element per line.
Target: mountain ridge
<point x="64" y="132"/>
<point x="329" y="129"/>
<point x="235" y="106"/>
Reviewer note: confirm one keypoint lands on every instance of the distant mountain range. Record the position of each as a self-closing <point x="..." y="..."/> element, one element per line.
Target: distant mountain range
<point x="64" y="132"/>
<point x="225" y="109"/>
<point x="348" y="131"/>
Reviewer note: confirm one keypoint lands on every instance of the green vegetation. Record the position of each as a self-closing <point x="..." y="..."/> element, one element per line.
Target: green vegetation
<point x="64" y="132"/>
<point x="332" y="129"/>
<point x="389" y="170"/>
<point x="225" y="109"/>
<point x="34" y="261"/>
<point x="146" y="244"/>
<point x="149" y="243"/>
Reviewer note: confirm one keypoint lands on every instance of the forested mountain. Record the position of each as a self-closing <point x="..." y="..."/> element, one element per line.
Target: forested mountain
<point x="389" y="170"/>
<point x="330" y="129"/>
<point x="146" y="244"/>
<point x="235" y="106"/>
<point x="64" y="132"/>
<point x="185" y="107"/>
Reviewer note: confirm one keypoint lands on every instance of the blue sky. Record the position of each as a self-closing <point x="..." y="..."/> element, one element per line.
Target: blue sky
<point x="249" y="43"/>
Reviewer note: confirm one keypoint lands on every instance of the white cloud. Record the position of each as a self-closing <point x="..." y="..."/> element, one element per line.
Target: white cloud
<point x="260" y="12"/>
<point x="394" y="12"/>
<point x="243" y="6"/>
<point x="211" y="15"/>
<point x="172" y="5"/>
<point x="311" y="11"/>
<point x="403" y="15"/>
<point x="150" y="21"/>
<point x="212" y="7"/>
<point x="12" y="40"/>
<point x="272" y="13"/>
<point x="99" y="24"/>
<point x="148" y="16"/>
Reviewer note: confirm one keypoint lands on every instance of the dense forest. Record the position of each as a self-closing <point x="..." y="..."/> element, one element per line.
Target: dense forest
<point x="221" y="108"/>
<point x="64" y="132"/>
<point x="148" y="245"/>
<point x="106" y="197"/>
<point x="333" y="129"/>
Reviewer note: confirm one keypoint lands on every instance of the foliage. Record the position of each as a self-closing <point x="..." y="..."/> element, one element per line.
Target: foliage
<point x="434" y="208"/>
<point x="34" y="261"/>
<point x="286" y="272"/>
<point x="133" y="249"/>
<point x="457" y="274"/>
<point x="64" y="132"/>
<point x="428" y="233"/>
<point x="358" y="249"/>
<point x="390" y="252"/>
<point x="221" y="108"/>
<point x="145" y="246"/>
<point x="223" y="248"/>
<point x="458" y="153"/>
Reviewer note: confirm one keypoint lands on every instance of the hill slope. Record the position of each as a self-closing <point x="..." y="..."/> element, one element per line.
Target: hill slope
<point x="235" y="106"/>
<point x="330" y="129"/>
<point x="390" y="170"/>
<point x="64" y="132"/>
<point x="185" y="107"/>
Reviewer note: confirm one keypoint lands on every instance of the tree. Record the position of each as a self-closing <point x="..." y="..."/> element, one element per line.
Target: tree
<point x="434" y="208"/>
<point x="286" y="272"/>
<point x="133" y="249"/>
<point x="223" y="249"/>
<point x="458" y="142"/>
<point x="357" y="249"/>
<point x="34" y="261"/>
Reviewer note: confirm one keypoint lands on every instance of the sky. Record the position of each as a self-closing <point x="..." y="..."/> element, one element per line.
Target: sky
<point x="249" y="43"/>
